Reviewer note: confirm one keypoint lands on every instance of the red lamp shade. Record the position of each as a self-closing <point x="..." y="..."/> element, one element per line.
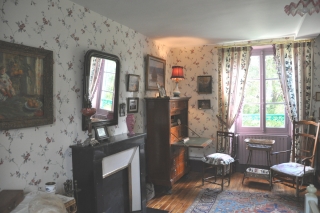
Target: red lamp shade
<point x="177" y="72"/>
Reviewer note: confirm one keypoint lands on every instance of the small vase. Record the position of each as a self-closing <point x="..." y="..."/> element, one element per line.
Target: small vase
<point x="130" y="124"/>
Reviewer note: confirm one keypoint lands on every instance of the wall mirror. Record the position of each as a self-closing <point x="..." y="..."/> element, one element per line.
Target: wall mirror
<point x="101" y="88"/>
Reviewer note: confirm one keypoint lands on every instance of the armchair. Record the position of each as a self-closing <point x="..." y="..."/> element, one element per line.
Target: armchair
<point x="303" y="149"/>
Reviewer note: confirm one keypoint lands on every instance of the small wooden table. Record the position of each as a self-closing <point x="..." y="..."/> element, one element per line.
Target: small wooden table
<point x="197" y="146"/>
<point x="260" y="145"/>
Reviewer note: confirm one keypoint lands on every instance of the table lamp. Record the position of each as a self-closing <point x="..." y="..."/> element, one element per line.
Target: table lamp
<point x="177" y="75"/>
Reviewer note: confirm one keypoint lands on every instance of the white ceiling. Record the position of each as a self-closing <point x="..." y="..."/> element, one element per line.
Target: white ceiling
<point x="197" y="22"/>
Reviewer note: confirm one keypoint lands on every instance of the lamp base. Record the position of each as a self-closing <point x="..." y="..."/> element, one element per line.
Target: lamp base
<point x="176" y="92"/>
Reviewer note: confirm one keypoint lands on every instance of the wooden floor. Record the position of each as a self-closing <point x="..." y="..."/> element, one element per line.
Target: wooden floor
<point x="187" y="188"/>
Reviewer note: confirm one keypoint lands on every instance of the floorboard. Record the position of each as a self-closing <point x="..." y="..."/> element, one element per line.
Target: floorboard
<point x="184" y="192"/>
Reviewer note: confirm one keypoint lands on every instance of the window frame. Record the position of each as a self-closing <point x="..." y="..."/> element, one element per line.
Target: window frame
<point x="262" y="52"/>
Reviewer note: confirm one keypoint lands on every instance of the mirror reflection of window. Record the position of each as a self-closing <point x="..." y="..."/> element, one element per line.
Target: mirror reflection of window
<point x="102" y="86"/>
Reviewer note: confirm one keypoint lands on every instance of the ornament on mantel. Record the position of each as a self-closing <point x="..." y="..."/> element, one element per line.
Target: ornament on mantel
<point x="130" y="120"/>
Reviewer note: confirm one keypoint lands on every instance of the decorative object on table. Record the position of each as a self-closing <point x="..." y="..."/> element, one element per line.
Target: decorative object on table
<point x="162" y="91"/>
<point x="133" y="83"/>
<point x="133" y="105"/>
<point x="155" y="73"/>
<point x="68" y="190"/>
<point x="204" y="104"/>
<point x="50" y="187"/>
<point x="122" y="109"/>
<point x="176" y="76"/>
<point x="204" y="84"/>
<point x="303" y="7"/>
<point x="88" y="112"/>
<point x="213" y="200"/>
<point x="317" y="96"/>
<point x="31" y="104"/>
<point x="130" y="120"/>
<point x="101" y="132"/>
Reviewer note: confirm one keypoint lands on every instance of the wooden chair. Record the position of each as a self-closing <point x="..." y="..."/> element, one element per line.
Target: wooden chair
<point x="223" y="161"/>
<point x="303" y="150"/>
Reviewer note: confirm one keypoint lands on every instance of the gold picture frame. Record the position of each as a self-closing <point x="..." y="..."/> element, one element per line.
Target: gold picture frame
<point x="26" y="97"/>
<point x="155" y="73"/>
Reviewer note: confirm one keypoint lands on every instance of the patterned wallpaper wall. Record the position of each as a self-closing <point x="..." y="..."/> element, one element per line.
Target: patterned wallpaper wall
<point x="30" y="157"/>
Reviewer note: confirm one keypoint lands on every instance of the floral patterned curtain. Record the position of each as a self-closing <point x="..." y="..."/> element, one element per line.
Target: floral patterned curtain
<point x="233" y="66"/>
<point x="295" y="64"/>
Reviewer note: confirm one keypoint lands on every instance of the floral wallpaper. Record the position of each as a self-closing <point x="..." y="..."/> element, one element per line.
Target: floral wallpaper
<point x="30" y="157"/>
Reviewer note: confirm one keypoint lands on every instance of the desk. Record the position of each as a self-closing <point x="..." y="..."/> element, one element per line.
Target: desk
<point x="258" y="145"/>
<point x="198" y="147"/>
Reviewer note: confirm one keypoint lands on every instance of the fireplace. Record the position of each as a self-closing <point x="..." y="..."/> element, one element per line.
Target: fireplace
<point x="110" y="177"/>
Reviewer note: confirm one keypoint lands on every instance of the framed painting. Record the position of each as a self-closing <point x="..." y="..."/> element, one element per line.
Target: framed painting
<point x="122" y="109"/>
<point x="155" y="73"/>
<point x="133" y="105"/>
<point x="26" y="86"/>
<point x="133" y="83"/>
<point x="204" y="84"/>
<point x="204" y="104"/>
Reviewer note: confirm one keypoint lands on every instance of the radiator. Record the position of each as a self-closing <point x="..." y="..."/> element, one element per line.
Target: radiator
<point x="282" y="142"/>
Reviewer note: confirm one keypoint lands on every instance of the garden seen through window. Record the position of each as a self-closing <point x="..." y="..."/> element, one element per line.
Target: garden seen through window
<point x="263" y="108"/>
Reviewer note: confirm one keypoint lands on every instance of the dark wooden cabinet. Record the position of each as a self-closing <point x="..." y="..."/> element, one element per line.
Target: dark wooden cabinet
<point x="96" y="193"/>
<point x="167" y="123"/>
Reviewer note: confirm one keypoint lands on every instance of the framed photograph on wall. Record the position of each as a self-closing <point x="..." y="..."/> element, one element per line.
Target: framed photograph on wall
<point x="122" y="110"/>
<point x="26" y="86"/>
<point x="204" y="84"/>
<point x="133" y="105"/>
<point x="133" y="83"/>
<point x="155" y="73"/>
<point x="317" y="96"/>
<point x="204" y="104"/>
<point x="101" y="132"/>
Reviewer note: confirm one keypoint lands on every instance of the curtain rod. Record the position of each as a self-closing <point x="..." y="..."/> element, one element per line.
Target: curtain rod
<point x="264" y="43"/>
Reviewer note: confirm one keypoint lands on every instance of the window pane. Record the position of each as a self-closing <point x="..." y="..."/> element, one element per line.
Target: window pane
<point x="275" y="115"/>
<point x="110" y="66"/>
<point x="106" y="100"/>
<point x="271" y="71"/>
<point x="108" y="82"/>
<point x="251" y="115"/>
<point x="273" y="91"/>
<point x="252" y="93"/>
<point x="254" y="68"/>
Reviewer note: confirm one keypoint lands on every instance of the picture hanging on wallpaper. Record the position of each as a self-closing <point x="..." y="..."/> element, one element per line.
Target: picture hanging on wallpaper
<point x="122" y="111"/>
<point x="133" y="105"/>
<point x="26" y="86"/>
<point x="204" y="84"/>
<point x="155" y="73"/>
<point x="133" y="83"/>
<point x="204" y="104"/>
<point x="317" y="96"/>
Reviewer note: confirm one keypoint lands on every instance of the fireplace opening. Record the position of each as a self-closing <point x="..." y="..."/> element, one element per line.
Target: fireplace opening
<point x="121" y="182"/>
<point x="117" y="198"/>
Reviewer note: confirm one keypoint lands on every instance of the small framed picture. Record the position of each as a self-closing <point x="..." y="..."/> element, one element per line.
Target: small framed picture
<point x="133" y="83"/>
<point x="101" y="132"/>
<point x="133" y="105"/>
<point x="204" y="84"/>
<point x="122" y="110"/>
<point x="204" y="104"/>
<point x="317" y="96"/>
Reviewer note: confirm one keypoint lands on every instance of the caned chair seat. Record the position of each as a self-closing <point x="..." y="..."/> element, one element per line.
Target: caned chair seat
<point x="218" y="159"/>
<point x="293" y="169"/>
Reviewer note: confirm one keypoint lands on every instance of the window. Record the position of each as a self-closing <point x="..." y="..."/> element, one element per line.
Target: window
<point x="263" y="110"/>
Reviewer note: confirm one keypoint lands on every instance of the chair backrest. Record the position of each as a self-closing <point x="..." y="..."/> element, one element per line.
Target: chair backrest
<point x="226" y="143"/>
<point x="304" y="141"/>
